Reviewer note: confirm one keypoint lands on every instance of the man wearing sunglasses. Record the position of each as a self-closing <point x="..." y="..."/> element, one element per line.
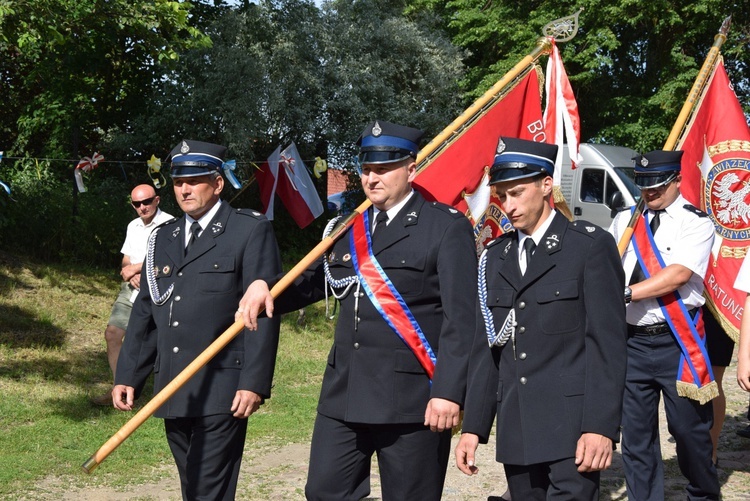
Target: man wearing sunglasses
<point x="145" y="201"/>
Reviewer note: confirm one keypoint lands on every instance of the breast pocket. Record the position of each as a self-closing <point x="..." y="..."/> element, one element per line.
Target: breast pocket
<point x="558" y="307"/>
<point x="405" y="270"/>
<point x="217" y="276"/>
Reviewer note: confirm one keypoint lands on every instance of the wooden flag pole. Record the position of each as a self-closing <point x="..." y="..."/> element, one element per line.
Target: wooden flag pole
<point x="556" y="29"/>
<point x="696" y="92"/>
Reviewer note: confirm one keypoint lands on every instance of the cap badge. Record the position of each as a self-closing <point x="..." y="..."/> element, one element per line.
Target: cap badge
<point x="500" y="146"/>
<point x="376" y="130"/>
<point x="184" y="148"/>
<point x="644" y="161"/>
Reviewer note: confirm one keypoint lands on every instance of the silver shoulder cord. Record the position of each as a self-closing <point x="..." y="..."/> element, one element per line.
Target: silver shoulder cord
<point x="344" y="283"/>
<point x="153" y="287"/>
<point x="508" y="330"/>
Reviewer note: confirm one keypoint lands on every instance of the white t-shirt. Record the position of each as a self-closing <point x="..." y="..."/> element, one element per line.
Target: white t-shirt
<point x="136" y="238"/>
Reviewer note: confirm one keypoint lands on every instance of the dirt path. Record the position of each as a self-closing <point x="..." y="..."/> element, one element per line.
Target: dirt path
<point x="279" y="473"/>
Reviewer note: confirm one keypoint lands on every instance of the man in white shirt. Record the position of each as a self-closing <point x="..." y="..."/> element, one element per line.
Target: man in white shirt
<point x="144" y="200"/>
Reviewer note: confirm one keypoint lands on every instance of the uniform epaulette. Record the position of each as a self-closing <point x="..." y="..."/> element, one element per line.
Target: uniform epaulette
<point x="695" y="210"/>
<point x="250" y="212"/>
<point x="169" y="221"/>
<point x="447" y="208"/>
<point x="501" y="238"/>
<point x="585" y="227"/>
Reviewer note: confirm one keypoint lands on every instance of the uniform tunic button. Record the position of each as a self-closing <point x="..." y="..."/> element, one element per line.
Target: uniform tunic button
<point x="216" y="266"/>
<point x="522" y="305"/>
<point x="521" y="330"/>
<point x="557" y="293"/>
<point x="177" y="298"/>
<point x="179" y="274"/>
<point x="356" y="346"/>
<point x="175" y="350"/>
<point x="237" y="362"/>
<point x="522" y="380"/>
<point x="175" y="323"/>
<point x="522" y="356"/>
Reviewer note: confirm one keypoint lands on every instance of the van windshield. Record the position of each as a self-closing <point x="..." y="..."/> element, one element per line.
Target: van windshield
<point x="627" y="176"/>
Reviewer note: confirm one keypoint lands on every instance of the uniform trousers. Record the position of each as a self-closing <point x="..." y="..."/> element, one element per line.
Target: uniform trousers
<point x="208" y="453"/>
<point x="653" y="361"/>
<point x="411" y="459"/>
<point x="556" y="480"/>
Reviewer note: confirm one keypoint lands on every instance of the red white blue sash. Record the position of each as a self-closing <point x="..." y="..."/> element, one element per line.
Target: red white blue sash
<point x="385" y="297"/>
<point x="695" y="379"/>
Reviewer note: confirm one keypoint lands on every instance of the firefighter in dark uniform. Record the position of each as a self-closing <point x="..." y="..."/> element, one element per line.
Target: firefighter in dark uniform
<point x="196" y="270"/>
<point x="551" y="310"/>
<point x="396" y="373"/>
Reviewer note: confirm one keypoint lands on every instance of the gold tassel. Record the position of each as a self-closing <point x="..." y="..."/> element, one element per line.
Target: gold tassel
<point x="703" y="395"/>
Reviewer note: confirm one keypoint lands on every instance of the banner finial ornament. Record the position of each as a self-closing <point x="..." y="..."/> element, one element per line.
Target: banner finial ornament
<point x="563" y="29"/>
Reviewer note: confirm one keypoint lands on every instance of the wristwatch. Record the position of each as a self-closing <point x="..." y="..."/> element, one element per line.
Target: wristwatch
<point x="628" y="294"/>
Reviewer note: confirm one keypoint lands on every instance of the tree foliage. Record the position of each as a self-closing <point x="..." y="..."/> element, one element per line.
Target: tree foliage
<point x="631" y="64"/>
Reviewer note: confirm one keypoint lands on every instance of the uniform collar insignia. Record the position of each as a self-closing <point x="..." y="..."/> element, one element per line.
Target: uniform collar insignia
<point x="176" y="232"/>
<point x="216" y="227"/>
<point x="552" y="241"/>
<point x="507" y="248"/>
<point x="591" y="229"/>
<point x="346" y="257"/>
<point x="165" y="270"/>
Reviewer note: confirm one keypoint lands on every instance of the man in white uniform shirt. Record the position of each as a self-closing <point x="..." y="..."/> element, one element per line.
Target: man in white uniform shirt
<point x="144" y="200"/>
<point x="664" y="264"/>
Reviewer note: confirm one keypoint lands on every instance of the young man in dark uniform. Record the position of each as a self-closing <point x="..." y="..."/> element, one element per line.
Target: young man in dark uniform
<point x="196" y="270"/>
<point x="405" y="274"/>
<point x="552" y="312"/>
<point x="665" y="263"/>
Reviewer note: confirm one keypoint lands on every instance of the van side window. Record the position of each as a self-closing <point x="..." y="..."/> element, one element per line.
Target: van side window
<point x="611" y="189"/>
<point x="592" y="185"/>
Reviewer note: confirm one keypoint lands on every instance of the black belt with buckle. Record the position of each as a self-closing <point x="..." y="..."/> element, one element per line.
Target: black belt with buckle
<point x="649" y="330"/>
<point x="654" y="329"/>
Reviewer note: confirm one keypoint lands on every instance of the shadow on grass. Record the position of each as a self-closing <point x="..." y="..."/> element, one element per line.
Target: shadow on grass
<point x="20" y="328"/>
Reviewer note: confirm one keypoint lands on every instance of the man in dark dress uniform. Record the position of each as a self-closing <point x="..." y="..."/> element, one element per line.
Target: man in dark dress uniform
<point x="551" y="309"/>
<point x="196" y="270"/>
<point x="396" y="374"/>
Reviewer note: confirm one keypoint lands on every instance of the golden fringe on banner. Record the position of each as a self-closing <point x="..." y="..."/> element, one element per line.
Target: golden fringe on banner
<point x="702" y="395"/>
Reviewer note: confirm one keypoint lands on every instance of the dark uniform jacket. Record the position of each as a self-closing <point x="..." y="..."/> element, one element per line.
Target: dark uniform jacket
<point x="237" y="247"/>
<point x="566" y="374"/>
<point x="428" y="253"/>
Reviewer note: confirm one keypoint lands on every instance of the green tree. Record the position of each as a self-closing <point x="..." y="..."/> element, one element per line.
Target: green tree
<point x="631" y="64"/>
<point x="71" y="70"/>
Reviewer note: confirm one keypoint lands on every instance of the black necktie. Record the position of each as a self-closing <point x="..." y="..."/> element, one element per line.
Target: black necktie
<point x="195" y="229"/>
<point x="638" y="275"/>
<point x="380" y="223"/>
<point x="528" y="248"/>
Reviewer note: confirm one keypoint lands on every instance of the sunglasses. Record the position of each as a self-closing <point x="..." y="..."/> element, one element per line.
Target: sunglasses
<point x="147" y="201"/>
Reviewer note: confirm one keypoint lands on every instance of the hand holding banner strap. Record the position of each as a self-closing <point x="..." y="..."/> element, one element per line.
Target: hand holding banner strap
<point x="429" y="152"/>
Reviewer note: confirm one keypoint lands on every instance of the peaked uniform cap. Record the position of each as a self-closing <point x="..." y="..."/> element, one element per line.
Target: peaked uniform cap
<point x="196" y="158"/>
<point x="519" y="158"/>
<point x="657" y="168"/>
<point x="383" y="142"/>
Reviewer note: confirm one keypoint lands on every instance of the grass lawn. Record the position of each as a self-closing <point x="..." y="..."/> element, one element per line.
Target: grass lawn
<point x="52" y="360"/>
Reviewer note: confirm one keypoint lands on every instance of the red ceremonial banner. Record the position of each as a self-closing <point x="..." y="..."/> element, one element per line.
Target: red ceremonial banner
<point x="458" y="176"/>
<point x="716" y="178"/>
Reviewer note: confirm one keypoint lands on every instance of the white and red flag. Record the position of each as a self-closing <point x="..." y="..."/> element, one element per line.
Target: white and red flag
<point x="285" y="173"/>
<point x="561" y="113"/>
<point x="716" y="178"/>
<point x="458" y="175"/>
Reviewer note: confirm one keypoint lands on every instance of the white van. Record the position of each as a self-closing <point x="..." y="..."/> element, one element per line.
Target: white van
<point x="601" y="185"/>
